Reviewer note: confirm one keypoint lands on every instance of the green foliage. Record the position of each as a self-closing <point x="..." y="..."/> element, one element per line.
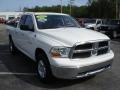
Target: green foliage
<point x="76" y="11"/>
<point x="93" y="9"/>
<point x="103" y="8"/>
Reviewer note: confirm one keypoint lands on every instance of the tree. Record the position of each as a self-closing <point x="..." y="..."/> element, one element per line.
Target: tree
<point x="102" y="8"/>
<point x="76" y="11"/>
<point x="94" y="9"/>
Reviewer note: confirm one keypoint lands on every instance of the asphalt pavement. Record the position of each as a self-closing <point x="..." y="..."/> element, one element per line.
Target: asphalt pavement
<point x="18" y="72"/>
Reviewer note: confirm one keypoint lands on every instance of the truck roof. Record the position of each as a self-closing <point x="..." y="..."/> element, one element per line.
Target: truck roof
<point x="49" y="13"/>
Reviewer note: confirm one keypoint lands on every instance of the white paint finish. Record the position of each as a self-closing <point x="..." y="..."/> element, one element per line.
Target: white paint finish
<point x="70" y="36"/>
<point x="79" y="62"/>
<point x="28" y="42"/>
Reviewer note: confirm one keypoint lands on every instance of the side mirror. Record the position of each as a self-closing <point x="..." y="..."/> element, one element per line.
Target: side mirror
<point x="26" y="28"/>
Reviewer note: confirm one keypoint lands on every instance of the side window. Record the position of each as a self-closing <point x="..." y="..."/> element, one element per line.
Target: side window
<point x="22" y="20"/>
<point x="98" y="22"/>
<point x="29" y="22"/>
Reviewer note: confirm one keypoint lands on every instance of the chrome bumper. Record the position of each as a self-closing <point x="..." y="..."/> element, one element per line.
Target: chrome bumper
<point x="93" y="72"/>
<point x="74" y="73"/>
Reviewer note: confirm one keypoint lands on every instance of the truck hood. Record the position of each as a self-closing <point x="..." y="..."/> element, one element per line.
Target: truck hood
<point x="70" y="36"/>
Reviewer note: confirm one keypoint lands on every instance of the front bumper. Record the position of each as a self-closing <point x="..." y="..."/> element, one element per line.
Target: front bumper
<point x="71" y="69"/>
<point x="74" y="73"/>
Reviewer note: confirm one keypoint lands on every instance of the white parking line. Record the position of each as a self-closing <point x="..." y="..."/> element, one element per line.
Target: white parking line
<point x="12" y="73"/>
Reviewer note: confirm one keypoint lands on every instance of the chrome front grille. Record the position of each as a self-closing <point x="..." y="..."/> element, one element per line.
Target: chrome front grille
<point x="85" y="46"/>
<point x="90" y="49"/>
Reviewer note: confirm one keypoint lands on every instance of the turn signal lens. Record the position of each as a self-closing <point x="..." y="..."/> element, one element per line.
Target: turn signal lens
<point x="58" y="52"/>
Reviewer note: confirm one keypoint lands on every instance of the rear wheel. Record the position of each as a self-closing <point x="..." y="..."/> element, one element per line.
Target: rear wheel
<point x="12" y="47"/>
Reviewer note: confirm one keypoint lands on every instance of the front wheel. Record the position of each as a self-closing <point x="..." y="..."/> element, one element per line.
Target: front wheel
<point x="43" y="69"/>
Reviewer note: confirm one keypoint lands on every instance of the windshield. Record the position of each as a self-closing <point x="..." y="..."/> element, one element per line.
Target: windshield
<point x="55" y="21"/>
<point x="111" y="22"/>
<point x="114" y="22"/>
<point x="105" y="22"/>
<point x="90" y="21"/>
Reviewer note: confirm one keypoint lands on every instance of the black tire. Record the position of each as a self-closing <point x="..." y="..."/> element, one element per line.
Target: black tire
<point x="43" y="64"/>
<point x="12" y="47"/>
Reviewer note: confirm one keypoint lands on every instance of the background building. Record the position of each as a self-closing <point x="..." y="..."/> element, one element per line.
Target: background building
<point x="9" y="15"/>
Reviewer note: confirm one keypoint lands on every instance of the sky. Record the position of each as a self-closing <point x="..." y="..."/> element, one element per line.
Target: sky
<point x="16" y="5"/>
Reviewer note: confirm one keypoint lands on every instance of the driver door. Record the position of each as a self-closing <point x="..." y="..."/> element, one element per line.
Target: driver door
<point x="29" y="35"/>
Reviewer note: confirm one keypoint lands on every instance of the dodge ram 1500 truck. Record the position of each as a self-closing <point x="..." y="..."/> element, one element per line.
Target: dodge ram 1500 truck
<point x="59" y="46"/>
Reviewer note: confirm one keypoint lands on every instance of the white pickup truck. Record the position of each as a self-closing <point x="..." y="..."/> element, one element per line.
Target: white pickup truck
<point x="60" y="47"/>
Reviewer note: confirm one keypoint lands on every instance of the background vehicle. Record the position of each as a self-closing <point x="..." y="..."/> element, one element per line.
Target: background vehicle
<point x="92" y="23"/>
<point x="2" y="21"/>
<point x="13" y="22"/>
<point x="110" y="27"/>
<point x="81" y="21"/>
<point x="60" y="47"/>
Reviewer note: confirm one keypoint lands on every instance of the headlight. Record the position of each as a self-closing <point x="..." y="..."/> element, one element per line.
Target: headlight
<point x="60" y="52"/>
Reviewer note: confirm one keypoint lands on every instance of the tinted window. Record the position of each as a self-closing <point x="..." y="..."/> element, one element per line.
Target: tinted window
<point x="111" y="22"/>
<point x="10" y="18"/>
<point x="98" y="22"/>
<point x="29" y="22"/>
<point x="22" y="20"/>
<point x="114" y="22"/>
<point x="70" y="22"/>
<point x="90" y="21"/>
<point x="55" y="21"/>
<point x="105" y="22"/>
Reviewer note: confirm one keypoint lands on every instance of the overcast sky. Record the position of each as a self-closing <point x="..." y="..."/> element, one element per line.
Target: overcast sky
<point x="15" y="5"/>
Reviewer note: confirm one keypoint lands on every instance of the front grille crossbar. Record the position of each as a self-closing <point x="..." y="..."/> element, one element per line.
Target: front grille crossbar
<point x="94" y="49"/>
<point x="79" y="51"/>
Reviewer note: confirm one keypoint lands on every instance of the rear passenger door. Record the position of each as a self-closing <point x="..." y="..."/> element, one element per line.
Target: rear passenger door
<point x="19" y="34"/>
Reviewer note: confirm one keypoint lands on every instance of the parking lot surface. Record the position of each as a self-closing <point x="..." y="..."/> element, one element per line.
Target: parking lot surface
<point x="18" y="72"/>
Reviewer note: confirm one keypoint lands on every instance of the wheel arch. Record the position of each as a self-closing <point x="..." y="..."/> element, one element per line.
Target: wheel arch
<point x="40" y="51"/>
